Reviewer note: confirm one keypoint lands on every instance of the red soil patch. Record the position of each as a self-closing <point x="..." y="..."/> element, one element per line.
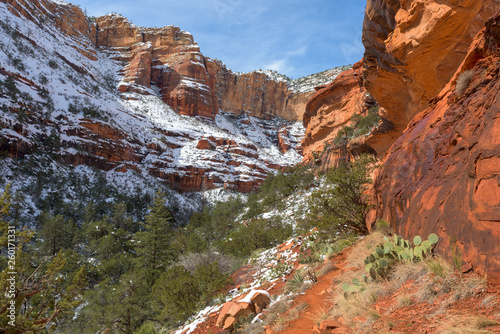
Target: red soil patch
<point x="317" y="299"/>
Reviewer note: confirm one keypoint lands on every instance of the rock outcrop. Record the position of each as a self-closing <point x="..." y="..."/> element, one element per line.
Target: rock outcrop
<point x="413" y="48"/>
<point x="166" y="58"/>
<point x="443" y="174"/>
<point x="331" y="109"/>
<point x="192" y="84"/>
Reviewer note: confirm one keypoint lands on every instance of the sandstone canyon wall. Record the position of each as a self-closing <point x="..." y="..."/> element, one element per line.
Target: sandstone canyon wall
<point x="413" y="48"/>
<point x="333" y="107"/>
<point x="189" y="82"/>
<point x="442" y="175"/>
<point x="243" y="126"/>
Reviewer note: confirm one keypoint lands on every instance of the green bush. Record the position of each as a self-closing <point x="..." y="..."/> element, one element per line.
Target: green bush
<point x="53" y="64"/>
<point x="259" y="233"/>
<point x="360" y="126"/>
<point x="340" y="206"/>
<point x="147" y="328"/>
<point x="9" y="87"/>
<point x="180" y="293"/>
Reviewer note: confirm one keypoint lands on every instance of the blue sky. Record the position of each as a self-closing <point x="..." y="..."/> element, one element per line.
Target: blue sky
<point x="294" y="37"/>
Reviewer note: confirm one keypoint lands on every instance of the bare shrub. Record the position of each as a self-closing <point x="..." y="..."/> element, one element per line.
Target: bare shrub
<point x="463" y="81"/>
<point x="227" y="264"/>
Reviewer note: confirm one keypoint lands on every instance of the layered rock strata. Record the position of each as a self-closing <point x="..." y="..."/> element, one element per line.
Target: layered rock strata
<point x="70" y="107"/>
<point x="192" y="84"/>
<point x="332" y="108"/>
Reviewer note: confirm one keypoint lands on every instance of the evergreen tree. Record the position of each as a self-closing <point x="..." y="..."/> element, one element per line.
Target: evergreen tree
<point x="57" y="233"/>
<point x="177" y="294"/>
<point x="114" y="307"/>
<point x="153" y="242"/>
<point x="341" y="205"/>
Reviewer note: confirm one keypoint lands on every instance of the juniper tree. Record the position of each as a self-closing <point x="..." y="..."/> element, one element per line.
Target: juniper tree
<point x="57" y="233"/>
<point x="341" y="205"/>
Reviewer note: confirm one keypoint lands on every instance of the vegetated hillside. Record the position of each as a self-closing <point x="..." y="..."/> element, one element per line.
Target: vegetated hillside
<point x="122" y="268"/>
<point x="67" y="119"/>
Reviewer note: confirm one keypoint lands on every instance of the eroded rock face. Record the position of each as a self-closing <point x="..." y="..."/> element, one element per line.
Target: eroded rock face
<point x="67" y="17"/>
<point x="166" y="58"/>
<point x="330" y="109"/>
<point x="413" y="48"/>
<point x="189" y="82"/>
<point x="443" y="174"/>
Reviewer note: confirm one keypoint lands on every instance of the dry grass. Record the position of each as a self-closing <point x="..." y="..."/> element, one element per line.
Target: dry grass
<point x="404" y="300"/>
<point x="326" y="268"/>
<point x="373" y="314"/>
<point x="463" y="81"/>
<point x="252" y="328"/>
<point x="408" y="271"/>
<point x="312" y="266"/>
<point x="363" y="248"/>
<point x="439" y="266"/>
<point x="278" y="317"/>
<point x="296" y="311"/>
<point x="272" y="315"/>
<point x="358" y="304"/>
<point x="469" y="286"/>
<point x="490" y="301"/>
<point x="468" y="325"/>
<point x="280" y="324"/>
<point x="320" y="314"/>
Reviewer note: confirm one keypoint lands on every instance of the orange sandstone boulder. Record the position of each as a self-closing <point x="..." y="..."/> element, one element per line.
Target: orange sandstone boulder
<point x="254" y="302"/>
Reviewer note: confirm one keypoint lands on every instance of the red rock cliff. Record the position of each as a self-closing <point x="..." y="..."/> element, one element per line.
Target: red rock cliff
<point x="191" y="83"/>
<point x="330" y="109"/>
<point x="413" y="48"/>
<point x="443" y="174"/>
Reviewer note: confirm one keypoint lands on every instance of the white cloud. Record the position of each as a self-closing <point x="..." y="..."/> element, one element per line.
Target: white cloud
<point x="299" y="52"/>
<point x="281" y="66"/>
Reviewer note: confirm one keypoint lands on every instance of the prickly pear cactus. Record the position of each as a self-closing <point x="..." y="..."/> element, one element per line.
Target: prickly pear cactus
<point x="379" y="263"/>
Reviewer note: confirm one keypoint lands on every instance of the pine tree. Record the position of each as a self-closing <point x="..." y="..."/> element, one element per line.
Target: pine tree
<point x="119" y="307"/>
<point x="57" y="233"/>
<point x="153" y="242"/>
